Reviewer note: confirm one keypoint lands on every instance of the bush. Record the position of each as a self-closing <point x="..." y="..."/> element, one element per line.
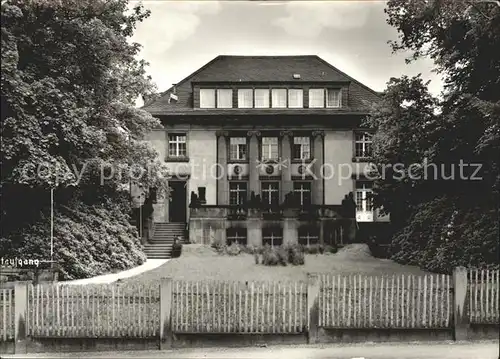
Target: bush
<point x="296" y="255"/>
<point x="270" y="256"/>
<point x="256" y="257"/>
<point x="219" y="245"/>
<point x="282" y="255"/>
<point x="234" y="249"/>
<point x="331" y="249"/>
<point x="311" y="249"/>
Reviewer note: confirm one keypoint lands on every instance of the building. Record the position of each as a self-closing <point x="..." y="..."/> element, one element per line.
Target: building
<point x="265" y="149"/>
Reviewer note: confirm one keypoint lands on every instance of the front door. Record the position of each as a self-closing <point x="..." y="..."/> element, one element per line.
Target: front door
<point x="178" y="202"/>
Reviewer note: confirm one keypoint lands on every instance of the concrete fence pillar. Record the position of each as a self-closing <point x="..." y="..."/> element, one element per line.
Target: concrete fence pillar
<point x="460" y="315"/>
<point x="313" y="287"/>
<point x="166" y="299"/>
<point x="20" y="317"/>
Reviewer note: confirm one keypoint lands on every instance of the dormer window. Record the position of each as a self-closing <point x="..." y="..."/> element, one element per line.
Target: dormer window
<point x="207" y="98"/>
<point x="295" y="98"/>
<point x="224" y="98"/>
<point x="334" y="98"/>
<point x="316" y="98"/>
<point x="279" y="98"/>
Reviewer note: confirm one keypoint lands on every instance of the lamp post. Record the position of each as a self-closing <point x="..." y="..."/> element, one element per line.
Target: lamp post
<point x="51" y="227"/>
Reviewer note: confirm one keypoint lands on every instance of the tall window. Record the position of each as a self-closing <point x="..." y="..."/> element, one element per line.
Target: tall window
<point x="238" y="148"/>
<point x="363" y="144"/>
<point x="237" y="193"/>
<point x="207" y="98"/>
<point x="316" y="98"/>
<point x="363" y="199"/>
<point x="278" y="98"/>
<point x="272" y="236"/>
<point x="177" y="145"/>
<point x="224" y="98"/>
<point x="334" y="98"/>
<point x="261" y="98"/>
<point x="295" y="98"/>
<point x="303" y="192"/>
<point x="308" y="236"/>
<point x="301" y="148"/>
<point x="245" y="98"/>
<point x="236" y="235"/>
<point x="270" y="193"/>
<point x="270" y="148"/>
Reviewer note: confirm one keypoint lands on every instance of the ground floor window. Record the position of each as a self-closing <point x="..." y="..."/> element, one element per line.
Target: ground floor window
<point x="302" y="189"/>
<point x="237" y="193"/>
<point x="270" y="193"/>
<point x="308" y="236"/>
<point x="272" y="236"/>
<point x="363" y="197"/>
<point x="236" y="235"/>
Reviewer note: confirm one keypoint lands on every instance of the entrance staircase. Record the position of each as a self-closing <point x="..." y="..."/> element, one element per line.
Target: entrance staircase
<point x="160" y="245"/>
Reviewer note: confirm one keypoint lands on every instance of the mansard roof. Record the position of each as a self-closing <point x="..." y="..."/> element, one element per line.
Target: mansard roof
<point x="261" y="70"/>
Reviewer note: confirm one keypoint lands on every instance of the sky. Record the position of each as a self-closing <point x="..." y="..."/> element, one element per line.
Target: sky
<point x="181" y="36"/>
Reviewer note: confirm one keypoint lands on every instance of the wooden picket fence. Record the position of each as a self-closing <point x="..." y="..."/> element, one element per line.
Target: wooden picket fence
<point x="484" y="286"/>
<point x="93" y="310"/>
<point x="7" y="314"/>
<point x="239" y="307"/>
<point x="343" y="301"/>
<point x="397" y="301"/>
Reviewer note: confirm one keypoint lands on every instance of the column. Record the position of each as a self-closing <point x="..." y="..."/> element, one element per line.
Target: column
<point x="286" y="171"/>
<point x="253" y="156"/>
<point x="318" y="182"/>
<point x="222" y="183"/>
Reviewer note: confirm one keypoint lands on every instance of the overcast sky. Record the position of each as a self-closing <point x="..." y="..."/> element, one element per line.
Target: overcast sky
<point x="181" y="36"/>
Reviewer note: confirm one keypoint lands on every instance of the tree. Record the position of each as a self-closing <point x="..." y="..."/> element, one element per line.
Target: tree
<point x="69" y="81"/>
<point x="442" y="222"/>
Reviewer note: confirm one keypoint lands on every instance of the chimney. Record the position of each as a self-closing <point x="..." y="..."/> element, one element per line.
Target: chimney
<point x="174" y="89"/>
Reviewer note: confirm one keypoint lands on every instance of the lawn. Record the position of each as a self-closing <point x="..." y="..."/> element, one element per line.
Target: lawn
<point x="200" y="262"/>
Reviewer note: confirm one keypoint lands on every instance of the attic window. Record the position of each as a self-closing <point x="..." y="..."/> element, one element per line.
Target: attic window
<point x="296" y="76"/>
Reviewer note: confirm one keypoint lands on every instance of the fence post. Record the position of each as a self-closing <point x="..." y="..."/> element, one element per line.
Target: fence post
<point x="460" y="315"/>
<point x="20" y="317"/>
<point x="166" y="297"/>
<point x="312" y="307"/>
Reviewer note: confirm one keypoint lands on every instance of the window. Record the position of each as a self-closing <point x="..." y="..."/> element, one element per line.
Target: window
<point x="245" y="98"/>
<point x="270" y="148"/>
<point x="316" y="98"/>
<point x="237" y="148"/>
<point x="363" y="145"/>
<point x="202" y="195"/>
<point x="224" y="98"/>
<point x="207" y="98"/>
<point x="236" y="235"/>
<point x="261" y="98"/>
<point x="363" y="197"/>
<point x="279" y="98"/>
<point x="270" y="193"/>
<point x="237" y="193"/>
<point x="334" y="98"/>
<point x="303" y="192"/>
<point x="177" y="145"/>
<point x="272" y="236"/>
<point x="295" y="98"/>
<point x="301" y="148"/>
<point x="308" y="236"/>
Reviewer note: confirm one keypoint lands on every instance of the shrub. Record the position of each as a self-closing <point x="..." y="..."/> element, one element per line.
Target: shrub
<point x="311" y="249"/>
<point x="219" y="245"/>
<point x="331" y="249"/>
<point x="256" y="257"/>
<point x="270" y="256"/>
<point x="296" y="255"/>
<point x="282" y="255"/>
<point x="234" y="249"/>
